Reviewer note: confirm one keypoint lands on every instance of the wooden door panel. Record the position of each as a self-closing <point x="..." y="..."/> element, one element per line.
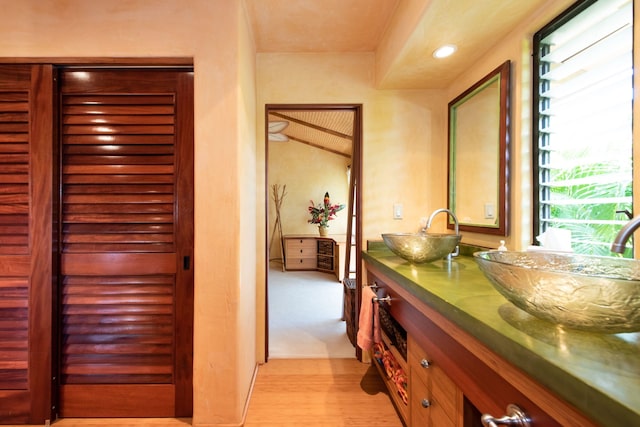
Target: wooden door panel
<point x="15" y="257"/>
<point x="118" y="264"/>
<point x="15" y="406"/>
<point x="126" y="289"/>
<point x="14" y="322"/>
<point x="123" y="400"/>
<point x="26" y="127"/>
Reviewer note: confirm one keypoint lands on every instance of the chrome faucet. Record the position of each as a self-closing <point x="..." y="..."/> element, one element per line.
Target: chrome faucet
<point x="455" y="224"/>
<point x="436" y="212"/>
<point x="624" y="235"/>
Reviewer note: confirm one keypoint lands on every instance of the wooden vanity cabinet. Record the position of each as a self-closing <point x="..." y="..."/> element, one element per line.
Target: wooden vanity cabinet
<point x="434" y="400"/>
<point x="465" y="378"/>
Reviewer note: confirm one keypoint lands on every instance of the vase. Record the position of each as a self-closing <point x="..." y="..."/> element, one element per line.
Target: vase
<point x="323" y="230"/>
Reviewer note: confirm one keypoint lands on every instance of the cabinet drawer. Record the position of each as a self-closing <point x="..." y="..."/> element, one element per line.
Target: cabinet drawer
<point x="416" y="356"/>
<point x="301" y="263"/>
<point x="418" y="393"/>
<point x="325" y="263"/>
<point x="444" y="392"/>
<point x="439" y="417"/>
<point x="301" y="252"/>
<point x="431" y="383"/>
<point x="295" y="244"/>
<point x="440" y="409"/>
<point x="325" y="247"/>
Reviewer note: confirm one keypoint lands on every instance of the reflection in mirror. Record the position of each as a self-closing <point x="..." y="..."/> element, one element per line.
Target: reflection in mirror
<point x="478" y="154"/>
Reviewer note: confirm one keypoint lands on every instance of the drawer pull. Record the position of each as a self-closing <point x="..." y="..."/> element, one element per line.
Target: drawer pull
<point x="515" y="417"/>
<point x="425" y="363"/>
<point x="425" y="403"/>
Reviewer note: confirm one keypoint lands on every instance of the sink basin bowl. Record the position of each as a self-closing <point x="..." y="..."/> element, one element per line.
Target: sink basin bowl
<point x="418" y="248"/>
<point x="591" y="293"/>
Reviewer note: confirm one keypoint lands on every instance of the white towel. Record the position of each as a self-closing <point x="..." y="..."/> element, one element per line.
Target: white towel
<point x="368" y="322"/>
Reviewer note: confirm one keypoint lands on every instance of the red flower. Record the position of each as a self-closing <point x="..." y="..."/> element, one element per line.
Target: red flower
<point x="321" y="214"/>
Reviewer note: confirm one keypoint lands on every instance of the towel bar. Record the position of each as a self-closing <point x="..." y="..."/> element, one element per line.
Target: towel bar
<point x="386" y="299"/>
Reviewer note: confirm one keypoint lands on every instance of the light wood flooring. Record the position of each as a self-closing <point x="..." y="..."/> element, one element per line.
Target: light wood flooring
<point x="121" y="422"/>
<point x="299" y="392"/>
<point x="320" y="393"/>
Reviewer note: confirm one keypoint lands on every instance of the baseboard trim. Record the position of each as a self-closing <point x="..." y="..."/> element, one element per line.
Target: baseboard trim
<point x="245" y="410"/>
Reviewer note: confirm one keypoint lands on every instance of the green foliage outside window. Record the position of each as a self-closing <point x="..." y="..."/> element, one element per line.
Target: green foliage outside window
<point x="587" y="204"/>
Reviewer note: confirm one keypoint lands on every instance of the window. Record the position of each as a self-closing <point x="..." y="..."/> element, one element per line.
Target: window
<point x="583" y="71"/>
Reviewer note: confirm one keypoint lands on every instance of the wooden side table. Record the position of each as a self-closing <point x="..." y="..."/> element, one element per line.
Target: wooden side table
<point x="304" y="252"/>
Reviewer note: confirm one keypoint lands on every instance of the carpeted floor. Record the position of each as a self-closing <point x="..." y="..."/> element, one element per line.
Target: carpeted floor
<point x="305" y="310"/>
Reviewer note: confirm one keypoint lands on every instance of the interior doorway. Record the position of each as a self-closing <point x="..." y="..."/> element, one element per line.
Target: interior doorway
<point x="324" y="156"/>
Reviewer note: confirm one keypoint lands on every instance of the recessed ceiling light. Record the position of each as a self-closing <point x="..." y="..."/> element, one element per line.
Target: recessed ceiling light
<point x="444" y="51"/>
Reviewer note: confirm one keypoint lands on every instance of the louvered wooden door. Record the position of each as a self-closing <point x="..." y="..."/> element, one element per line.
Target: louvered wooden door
<point x="25" y="243"/>
<point x="126" y="208"/>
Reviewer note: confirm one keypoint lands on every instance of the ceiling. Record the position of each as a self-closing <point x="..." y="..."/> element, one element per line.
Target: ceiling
<point x="313" y="26"/>
<point x="319" y="25"/>
<point x="342" y="26"/>
<point x="330" y="130"/>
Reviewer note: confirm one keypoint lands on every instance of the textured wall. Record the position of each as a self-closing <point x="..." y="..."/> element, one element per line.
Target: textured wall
<point x="215" y="35"/>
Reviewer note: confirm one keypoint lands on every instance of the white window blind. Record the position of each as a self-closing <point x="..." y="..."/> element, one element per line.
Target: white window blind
<point x="584" y="130"/>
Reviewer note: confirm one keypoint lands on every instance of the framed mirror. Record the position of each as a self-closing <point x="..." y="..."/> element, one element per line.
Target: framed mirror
<point x="478" y="176"/>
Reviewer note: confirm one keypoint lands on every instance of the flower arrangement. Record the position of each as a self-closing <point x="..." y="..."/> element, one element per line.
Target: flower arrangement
<point x="321" y="214"/>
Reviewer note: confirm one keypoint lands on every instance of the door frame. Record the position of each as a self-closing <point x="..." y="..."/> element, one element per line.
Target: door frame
<point x="356" y="168"/>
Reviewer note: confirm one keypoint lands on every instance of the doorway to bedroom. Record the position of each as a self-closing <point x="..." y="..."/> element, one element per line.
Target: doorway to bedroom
<point x="313" y="162"/>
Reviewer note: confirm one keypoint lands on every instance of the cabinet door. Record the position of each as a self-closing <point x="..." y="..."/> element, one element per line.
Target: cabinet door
<point x="326" y="255"/>
<point x="26" y="129"/>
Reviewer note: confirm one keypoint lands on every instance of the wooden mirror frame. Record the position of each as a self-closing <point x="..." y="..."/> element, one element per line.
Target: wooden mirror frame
<point x="502" y="75"/>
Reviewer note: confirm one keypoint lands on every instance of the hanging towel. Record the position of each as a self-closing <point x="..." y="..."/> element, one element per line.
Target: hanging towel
<point x="368" y="322"/>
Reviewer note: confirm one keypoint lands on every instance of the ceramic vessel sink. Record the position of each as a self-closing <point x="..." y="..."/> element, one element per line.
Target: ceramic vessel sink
<point x="418" y="248"/>
<point x="591" y="293"/>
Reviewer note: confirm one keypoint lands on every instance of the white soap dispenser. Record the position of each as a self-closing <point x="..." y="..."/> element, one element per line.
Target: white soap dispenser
<point x="502" y="247"/>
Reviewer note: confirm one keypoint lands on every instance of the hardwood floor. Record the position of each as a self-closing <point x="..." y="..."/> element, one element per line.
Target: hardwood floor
<point x="320" y="392"/>
<point x="298" y="392"/>
<point x="122" y="422"/>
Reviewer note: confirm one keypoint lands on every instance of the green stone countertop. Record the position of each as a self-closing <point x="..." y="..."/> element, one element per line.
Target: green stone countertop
<point x="597" y="373"/>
